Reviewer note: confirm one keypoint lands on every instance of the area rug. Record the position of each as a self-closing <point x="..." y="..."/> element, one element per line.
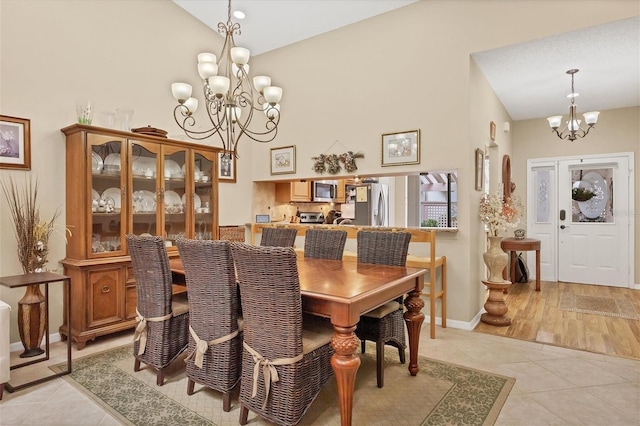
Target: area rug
<point x="596" y="305"/>
<point x="441" y="393"/>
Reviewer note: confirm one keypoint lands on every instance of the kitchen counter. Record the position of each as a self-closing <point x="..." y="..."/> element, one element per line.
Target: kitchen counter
<point x="417" y="234"/>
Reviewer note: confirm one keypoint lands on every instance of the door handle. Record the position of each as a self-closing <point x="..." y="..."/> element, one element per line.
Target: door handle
<point x="563" y="226"/>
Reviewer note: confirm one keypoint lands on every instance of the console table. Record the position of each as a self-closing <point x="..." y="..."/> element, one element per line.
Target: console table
<point x="36" y="279"/>
<point x="525" y="244"/>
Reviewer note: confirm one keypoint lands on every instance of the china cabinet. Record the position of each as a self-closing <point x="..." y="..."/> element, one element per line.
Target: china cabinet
<point x="118" y="183"/>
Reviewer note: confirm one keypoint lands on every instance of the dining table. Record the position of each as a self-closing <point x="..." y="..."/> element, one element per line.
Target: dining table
<point x="342" y="292"/>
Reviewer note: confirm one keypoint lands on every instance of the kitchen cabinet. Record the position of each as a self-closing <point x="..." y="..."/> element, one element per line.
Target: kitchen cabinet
<point x="340" y="192"/>
<point x="293" y="191"/>
<point x="119" y="183"/>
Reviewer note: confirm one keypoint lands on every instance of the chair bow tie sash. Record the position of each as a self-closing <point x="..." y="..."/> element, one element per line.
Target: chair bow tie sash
<point x="141" y="329"/>
<point x="268" y="371"/>
<point x="202" y="345"/>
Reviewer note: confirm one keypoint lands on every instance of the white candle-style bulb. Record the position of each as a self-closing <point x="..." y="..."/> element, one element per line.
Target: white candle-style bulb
<point x="191" y="104"/>
<point x="574" y="125"/>
<point x="271" y="111"/>
<point x="272" y="94"/>
<point x="240" y="55"/>
<point x="207" y="69"/>
<point x="591" y="117"/>
<point x="206" y="57"/>
<point x="260" y="82"/>
<point x="234" y="113"/>
<point x="236" y="70"/>
<point x="219" y="84"/>
<point x="181" y="91"/>
<point x="555" y="121"/>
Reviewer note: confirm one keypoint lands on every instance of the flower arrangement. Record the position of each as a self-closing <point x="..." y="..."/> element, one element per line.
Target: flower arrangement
<point x="582" y="194"/>
<point x="500" y="214"/>
<point x="32" y="232"/>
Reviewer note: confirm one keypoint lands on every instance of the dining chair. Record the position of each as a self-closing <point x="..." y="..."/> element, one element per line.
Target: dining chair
<point x="278" y="237"/>
<point x="324" y="243"/>
<point x="385" y="324"/>
<point x="285" y="363"/>
<point x="162" y="330"/>
<point x="215" y="328"/>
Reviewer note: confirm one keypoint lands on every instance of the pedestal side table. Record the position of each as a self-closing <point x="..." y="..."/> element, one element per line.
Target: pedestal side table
<point x="36" y="279"/>
<point x="526" y="244"/>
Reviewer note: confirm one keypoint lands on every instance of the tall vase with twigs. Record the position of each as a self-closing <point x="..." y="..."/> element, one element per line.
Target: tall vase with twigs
<point x="32" y="235"/>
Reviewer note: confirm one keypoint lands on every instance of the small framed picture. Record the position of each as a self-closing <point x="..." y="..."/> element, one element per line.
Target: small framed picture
<point x="479" y="169"/>
<point x="15" y="143"/>
<point x="492" y="131"/>
<point x="283" y="160"/>
<point x="263" y="218"/>
<point x="401" y="148"/>
<point x="226" y="167"/>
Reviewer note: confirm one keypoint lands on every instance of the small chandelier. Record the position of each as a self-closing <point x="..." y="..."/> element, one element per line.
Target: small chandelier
<point x="229" y="96"/>
<point x="573" y="129"/>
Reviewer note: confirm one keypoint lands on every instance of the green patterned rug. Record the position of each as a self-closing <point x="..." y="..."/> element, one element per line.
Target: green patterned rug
<point x="441" y="394"/>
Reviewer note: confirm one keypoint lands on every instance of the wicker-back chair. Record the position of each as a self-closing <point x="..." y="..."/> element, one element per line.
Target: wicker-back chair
<point x="213" y="317"/>
<point x="385" y="324"/>
<point x="274" y="335"/>
<point x="324" y="243"/>
<point x="162" y="330"/>
<point x="278" y="237"/>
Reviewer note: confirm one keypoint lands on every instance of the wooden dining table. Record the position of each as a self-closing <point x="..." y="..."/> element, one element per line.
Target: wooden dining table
<point x="343" y="291"/>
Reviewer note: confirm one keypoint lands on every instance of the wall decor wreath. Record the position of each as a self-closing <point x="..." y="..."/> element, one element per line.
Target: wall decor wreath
<point x="330" y="163"/>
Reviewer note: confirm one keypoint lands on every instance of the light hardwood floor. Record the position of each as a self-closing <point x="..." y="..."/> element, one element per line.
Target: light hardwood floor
<point x="535" y="317"/>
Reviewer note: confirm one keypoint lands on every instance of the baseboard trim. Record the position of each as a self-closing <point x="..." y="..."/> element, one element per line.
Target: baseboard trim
<point x="17" y="346"/>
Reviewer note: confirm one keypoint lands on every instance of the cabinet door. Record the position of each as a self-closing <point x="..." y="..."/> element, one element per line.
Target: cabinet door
<point x="107" y="212"/>
<point x="106" y="301"/>
<point x="144" y="199"/>
<point x="175" y="193"/>
<point x="205" y="199"/>
<point x="340" y="193"/>
<point x="301" y="191"/>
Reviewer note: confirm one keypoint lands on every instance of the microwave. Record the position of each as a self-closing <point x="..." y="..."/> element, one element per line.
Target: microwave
<point x="324" y="191"/>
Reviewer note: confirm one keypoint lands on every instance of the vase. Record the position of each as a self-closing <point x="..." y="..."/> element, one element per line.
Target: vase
<point x="495" y="259"/>
<point x="31" y="321"/>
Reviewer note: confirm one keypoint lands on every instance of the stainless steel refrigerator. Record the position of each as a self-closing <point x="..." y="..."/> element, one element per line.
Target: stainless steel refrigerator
<point x="371" y="205"/>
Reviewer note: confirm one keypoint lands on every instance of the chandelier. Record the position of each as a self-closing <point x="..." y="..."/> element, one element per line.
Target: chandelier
<point x="573" y="129"/>
<point x="230" y="98"/>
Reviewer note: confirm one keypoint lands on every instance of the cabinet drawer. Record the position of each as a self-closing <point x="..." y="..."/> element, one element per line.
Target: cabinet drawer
<point x="105" y="300"/>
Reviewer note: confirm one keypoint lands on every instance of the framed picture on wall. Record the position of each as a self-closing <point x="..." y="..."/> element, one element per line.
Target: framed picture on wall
<point x="226" y="167"/>
<point x="283" y="160"/>
<point x="15" y="143"/>
<point x="479" y="169"/>
<point x="401" y="148"/>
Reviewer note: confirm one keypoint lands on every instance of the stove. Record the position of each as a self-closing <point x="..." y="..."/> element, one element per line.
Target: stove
<point x="311" y="217"/>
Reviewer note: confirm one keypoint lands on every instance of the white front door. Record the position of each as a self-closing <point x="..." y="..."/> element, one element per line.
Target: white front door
<point x="593" y="221"/>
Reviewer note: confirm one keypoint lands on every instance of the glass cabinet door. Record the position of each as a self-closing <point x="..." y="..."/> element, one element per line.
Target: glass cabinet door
<point x="204" y="198"/>
<point x="107" y="213"/>
<point x="175" y="194"/>
<point x="144" y="189"/>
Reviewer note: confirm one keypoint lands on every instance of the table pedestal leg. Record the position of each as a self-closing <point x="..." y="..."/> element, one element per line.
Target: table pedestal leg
<point x="414" y="318"/>
<point x="495" y="306"/>
<point x="345" y="365"/>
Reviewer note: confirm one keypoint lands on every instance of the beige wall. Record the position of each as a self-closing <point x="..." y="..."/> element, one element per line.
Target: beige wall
<point x="403" y="70"/>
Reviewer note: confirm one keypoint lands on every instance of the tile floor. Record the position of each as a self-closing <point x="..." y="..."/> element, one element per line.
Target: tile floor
<point x="554" y="386"/>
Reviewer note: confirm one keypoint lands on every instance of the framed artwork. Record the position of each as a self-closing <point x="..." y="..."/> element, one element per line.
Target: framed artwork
<point x="15" y="143"/>
<point x="492" y="131"/>
<point x="283" y="160"/>
<point x="401" y="148"/>
<point x="226" y="167"/>
<point x="479" y="169"/>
